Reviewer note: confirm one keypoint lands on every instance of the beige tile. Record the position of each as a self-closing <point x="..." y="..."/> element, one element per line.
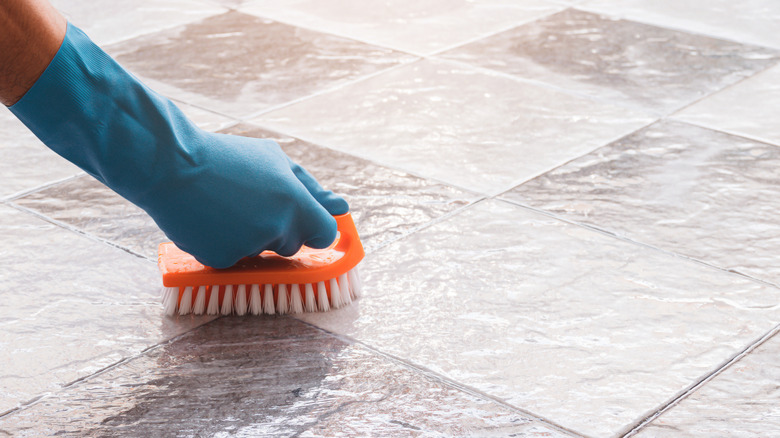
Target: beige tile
<point x="413" y="26"/>
<point x="266" y="377"/>
<point x="618" y="60"/>
<point x="26" y="162"/>
<point x="582" y="329"/>
<point x="205" y="119"/>
<point x="749" y="21"/>
<point x="71" y="306"/>
<point x="750" y="108"/>
<point x="465" y="127"/>
<point x="741" y="402"/>
<point x="690" y="190"/>
<point x="238" y="64"/>
<point x="107" y="21"/>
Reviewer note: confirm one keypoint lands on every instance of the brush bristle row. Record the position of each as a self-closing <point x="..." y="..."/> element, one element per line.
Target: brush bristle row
<point x="255" y="299"/>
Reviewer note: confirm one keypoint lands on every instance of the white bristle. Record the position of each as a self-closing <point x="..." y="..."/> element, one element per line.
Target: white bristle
<point x="227" y="300"/>
<point x="213" y="307"/>
<point x="322" y="296"/>
<point x="335" y="294"/>
<point x="311" y="303"/>
<point x="281" y="300"/>
<point x="346" y="296"/>
<point x="255" y="303"/>
<point x="296" y="300"/>
<point x="185" y="306"/>
<point x="268" y="300"/>
<point x="200" y="301"/>
<point x="241" y="302"/>
<point x="170" y="300"/>
<point x="354" y="282"/>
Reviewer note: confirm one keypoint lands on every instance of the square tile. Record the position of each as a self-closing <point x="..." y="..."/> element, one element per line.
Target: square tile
<point x="266" y="377"/>
<point x="617" y="60"/>
<point x="697" y="192"/>
<point x="26" y="162"/>
<point x="238" y="64"/>
<point x="750" y="108"/>
<point x="413" y="26"/>
<point x="71" y="306"/>
<point x="742" y="401"/>
<point x="465" y="127"/>
<point x="582" y="329"/>
<point x="107" y="21"/>
<point x="750" y="21"/>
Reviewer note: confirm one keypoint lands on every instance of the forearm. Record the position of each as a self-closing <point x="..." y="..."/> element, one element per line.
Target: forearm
<point x="31" y="32"/>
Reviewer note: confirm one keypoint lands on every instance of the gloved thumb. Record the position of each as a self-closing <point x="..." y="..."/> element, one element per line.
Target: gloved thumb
<point x="334" y="204"/>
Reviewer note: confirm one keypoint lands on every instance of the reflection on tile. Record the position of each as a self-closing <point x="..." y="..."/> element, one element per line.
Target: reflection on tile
<point x="414" y="26"/>
<point x="71" y="306"/>
<point x="204" y="119"/>
<point x="584" y="330"/>
<point x="750" y="108"/>
<point x="266" y="377"/>
<point x="697" y="192"/>
<point x="617" y="60"/>
<point x="26" y="162"/>
<point x="385" y="203"/>
<point x="476" y="130"/>
<point x="239" y="64"/>
<point x="750" y="21"/>
<point x="108" y="21"/>
<point x="742" y="401"/>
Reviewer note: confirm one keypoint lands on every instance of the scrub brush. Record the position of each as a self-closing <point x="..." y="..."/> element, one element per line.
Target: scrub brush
<point x="312" y="280"/>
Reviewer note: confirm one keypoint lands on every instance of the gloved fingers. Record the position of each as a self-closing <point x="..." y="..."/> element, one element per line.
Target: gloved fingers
<point x="333" y="203"/>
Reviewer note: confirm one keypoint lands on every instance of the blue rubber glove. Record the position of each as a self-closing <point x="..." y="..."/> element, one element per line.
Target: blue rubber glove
<point x="218" y="197"/>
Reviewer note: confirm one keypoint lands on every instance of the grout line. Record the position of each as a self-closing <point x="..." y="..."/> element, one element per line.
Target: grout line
<point x="43" y="186"/>
<point x="77" y="230"/>
<point x="626" y="239"/>
<point x="725" y="131"/>
<point x="447" y="381"/>
<point x="642" y="423"/>
<point x="402" y="63"/>
<point x="637" y="19"/>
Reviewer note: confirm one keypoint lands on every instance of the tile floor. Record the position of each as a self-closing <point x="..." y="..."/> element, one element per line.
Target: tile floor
<point x="569" y="209"/>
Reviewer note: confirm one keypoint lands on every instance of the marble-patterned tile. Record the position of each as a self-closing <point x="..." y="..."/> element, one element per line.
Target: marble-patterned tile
<point x="239" y="64"/>
<point x="617" y="60"/>
<point x="740" y="402"/>
<point x="266" y="377"/>
<point x="107" y="21"/>
<point x="585" y="330"/>
<point x="750" y="21"/>
<point x="697" y="192"/>
<point x="385" y="203"/>
<point x="413" y="26"/>
<point x="205" y="119"/>
<point x="473" y="129"/>
<point x="26" y="162"/>
<point x="750" y="108"/>
<point x="71" y="306"/>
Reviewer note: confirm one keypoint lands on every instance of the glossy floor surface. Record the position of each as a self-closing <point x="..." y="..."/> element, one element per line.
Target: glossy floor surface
<point x="570" y="210"/>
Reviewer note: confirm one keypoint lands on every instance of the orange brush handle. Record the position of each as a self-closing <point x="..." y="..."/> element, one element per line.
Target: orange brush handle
<point x="180" y="269"/>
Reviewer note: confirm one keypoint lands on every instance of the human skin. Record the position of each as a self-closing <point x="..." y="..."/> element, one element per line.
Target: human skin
<point x="31" y="32"/>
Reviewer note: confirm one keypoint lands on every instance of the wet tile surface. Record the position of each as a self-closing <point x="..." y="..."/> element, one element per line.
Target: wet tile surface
<point x="750" y="108"/>
<point x="107" y="21"/>
<point x="266" y="377"/>
<point x="617" y="60"/>
<point x="71" y="306"/>
<point x="386" y="203"/>
<point x="26" y="162"/>
<point x="239" y="64"/>
<point x="682" y="188"/>
<point x="585" y="330"/>
<point x="751" y="21"/>
<point x="414" y="26"/>
<point x="742" y="401"/>
<point x="472" y="129"/>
